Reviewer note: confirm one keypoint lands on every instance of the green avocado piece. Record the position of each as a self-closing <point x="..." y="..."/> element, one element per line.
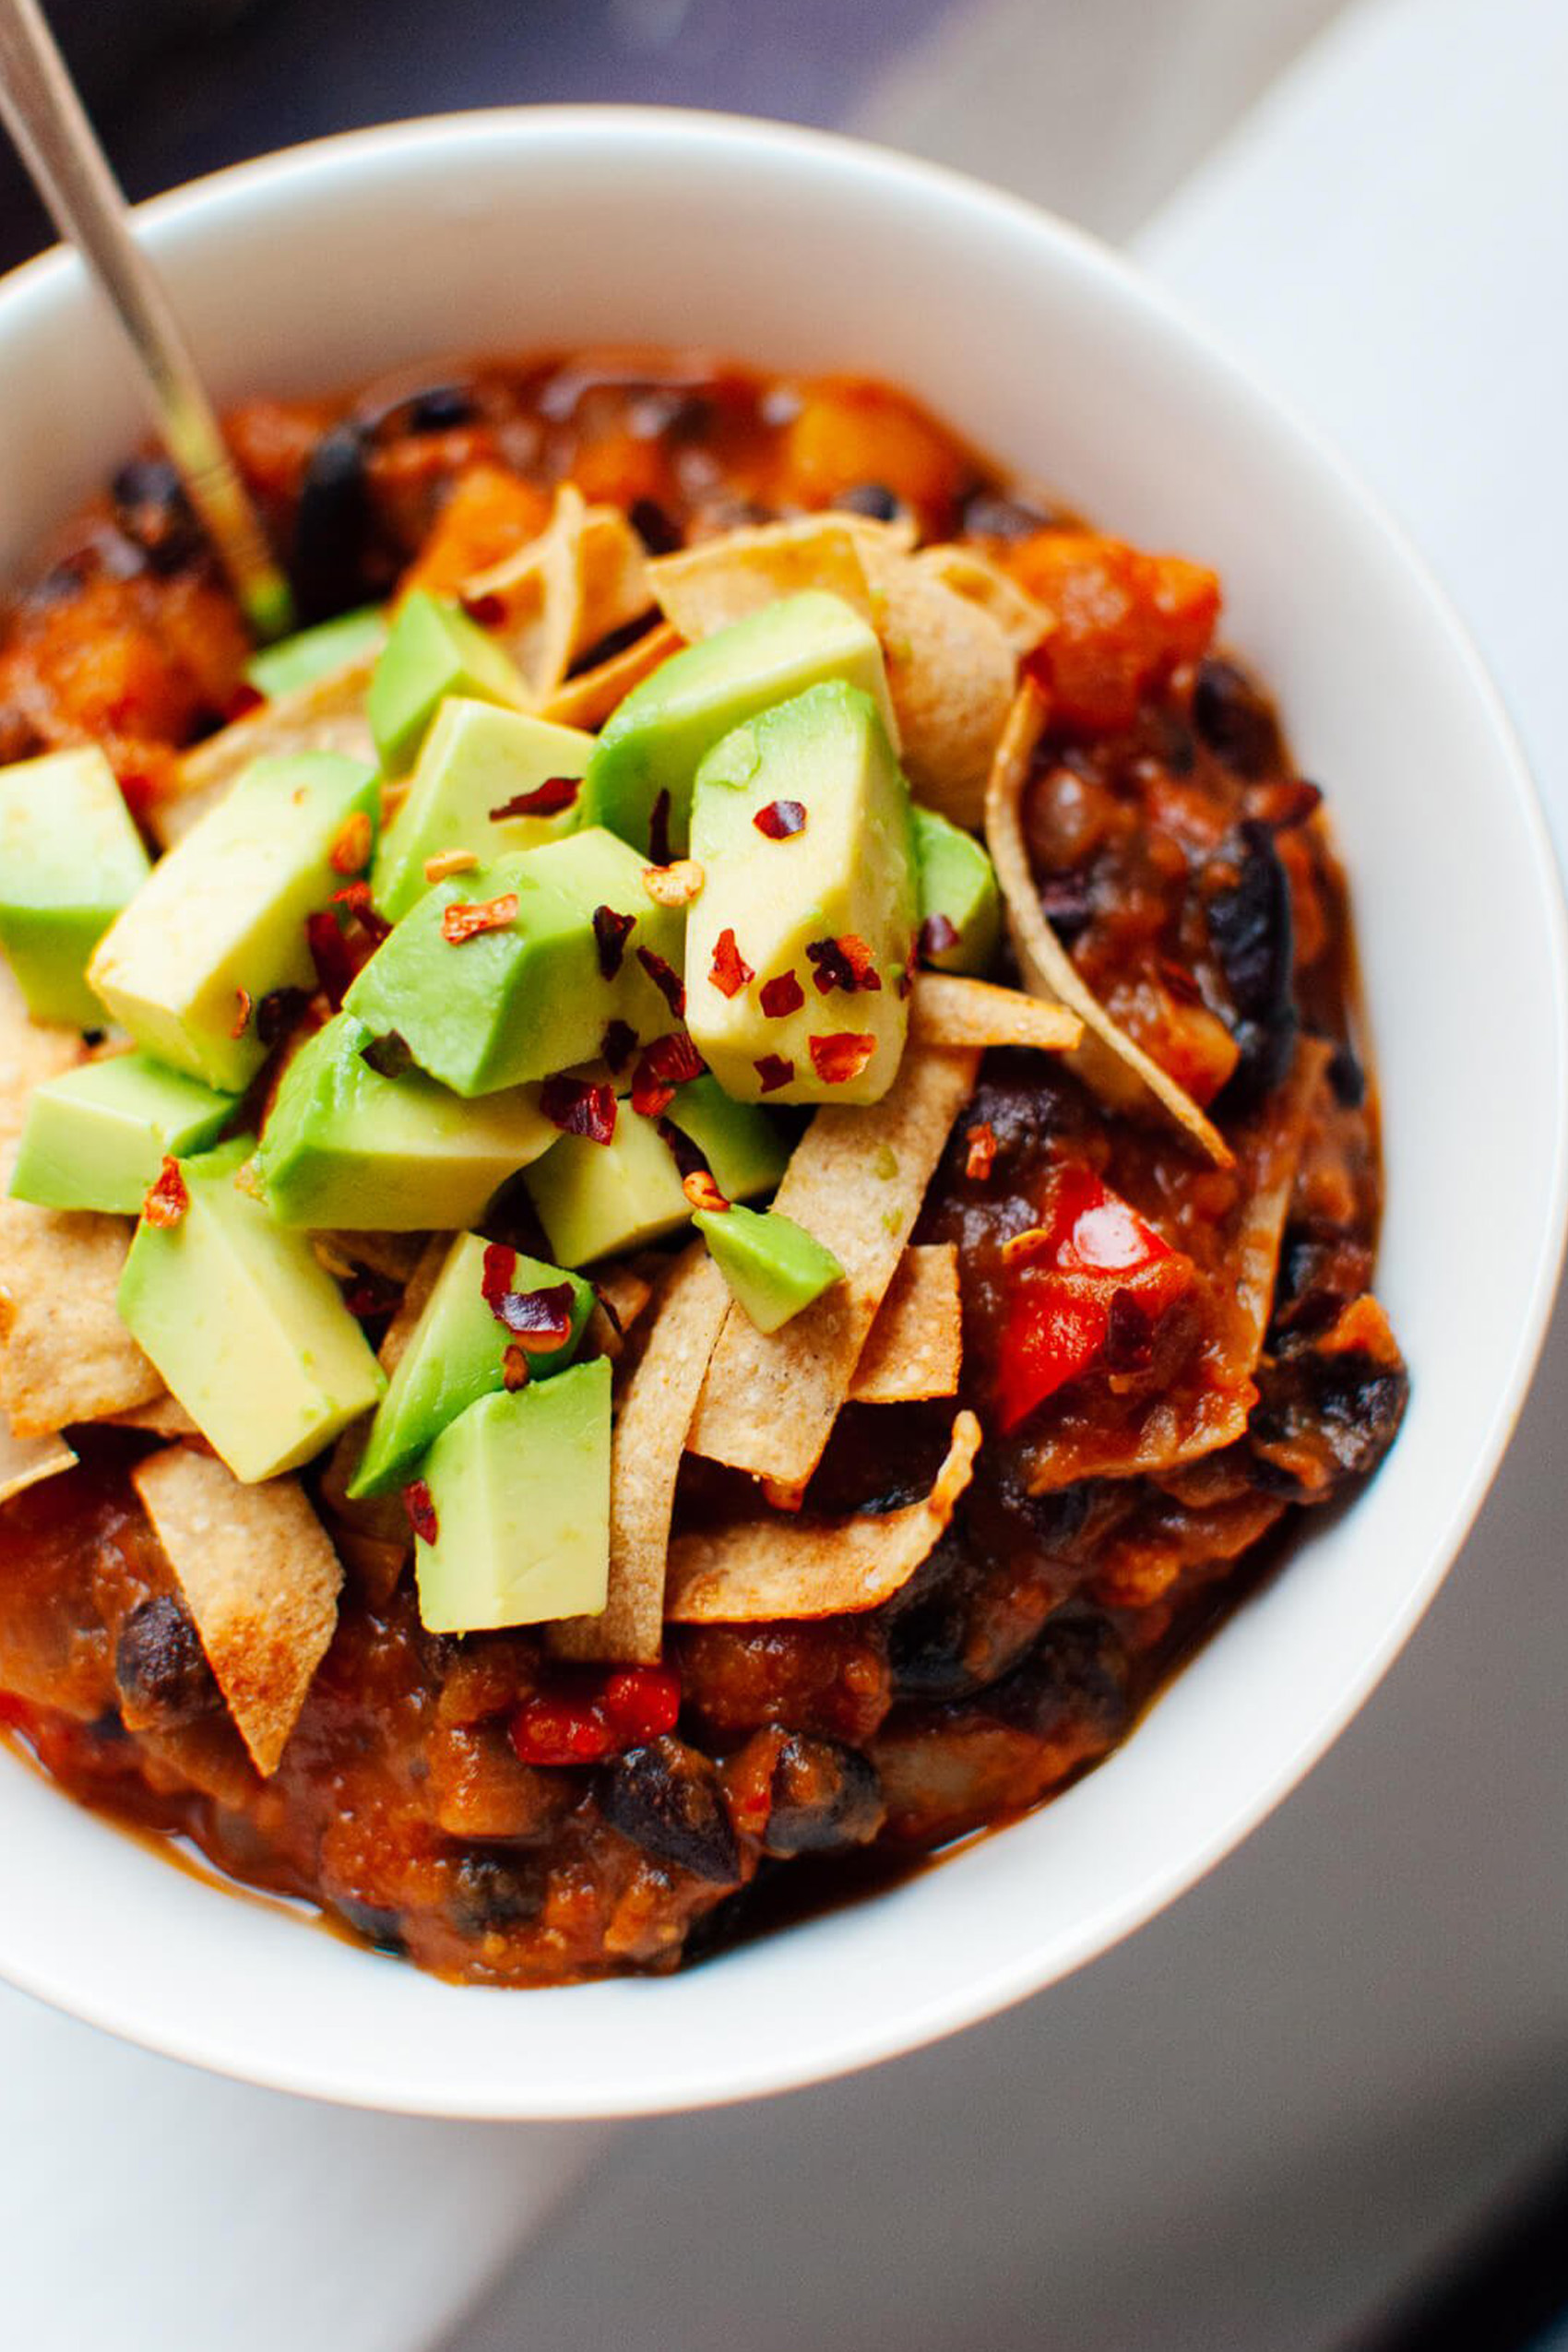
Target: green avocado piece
<point x="220" y="922"/>
<point x="655" y="742"/>
<point x="743" y="1146"/>
<point x="310" y="654"/>
<point x="345" y="1146"/>
<point x="594" y="1198"/>
<point x="249" y="1329"/>
<point x="848" y="872"/>
<point x="773" y="1267"/>
<point x="434" y="651"/>
<point x="532" y="997"/>
<point x="70" y="858"/>
<point x="520" y="1495"/>
<point x="958" y="887"/>
<point x="475" y="759"/>
<point x="454" y="1356"/>
<point x="97" y="1136"/>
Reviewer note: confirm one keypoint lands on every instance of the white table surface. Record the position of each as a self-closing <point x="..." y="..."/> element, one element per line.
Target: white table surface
<point x="1243" y="2126"/>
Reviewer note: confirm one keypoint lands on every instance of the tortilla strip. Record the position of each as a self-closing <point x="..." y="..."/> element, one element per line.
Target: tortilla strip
<point x="1209" y="1407"/>
<point x="372" y="1533"/>
<point x="588" y="701"/>
<point x="27" y="1461"/>
<point x="856" y="1181"/>
<point x="327" y="715"/>
<point x="1022" y="620"/>
<point x="726" y="579"/>
<point x="261" y="1580"/>
<point x="915" y="1348"/>
<point x="651" y="1419"/>
<point x="165" y="1417"/>
<point x="769" y="1568"/>
<point x="396" y="1256"/>
<point x="615" y="587"/>
<point x="64" y="1355"/>
<point x="1108" y="1061"/>
<point x="951" y="671"/>
<point x="540" y="591"/>
<point x="949" y="1010"/>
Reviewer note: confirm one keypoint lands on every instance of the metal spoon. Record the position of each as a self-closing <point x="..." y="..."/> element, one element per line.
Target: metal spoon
<point x="40" y="107"/>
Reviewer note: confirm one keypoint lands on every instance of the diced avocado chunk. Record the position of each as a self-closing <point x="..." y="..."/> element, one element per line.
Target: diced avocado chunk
<point x="249" y="1329"/>
<point x="958" y="894"/>
<point x="520" y="1497"/>
<point x="593" y="1198"/>
<point x="474" y="760"/>
<point x="220" y="922"/>
<point x="774" y="1266"/>
<point x="434" y="651"/>
<point x="741" y="1144"/>
<point x="456" y="1355"/>
<point x="70" y="858"/>
<point x="310" y="654"/>
<point x="97" y="1136"/>
<point x="824" y="916"/>
<point x="535" y="996"/>
<point x="344" y="1146"/>
<point x="654" y="743"/>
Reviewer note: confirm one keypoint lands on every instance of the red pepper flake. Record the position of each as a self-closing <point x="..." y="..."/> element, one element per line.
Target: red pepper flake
<point x="618" y="1044"/>
<point x="242" y="701"/>
<point x="842" y="963"/>
<point x="336" y="964"/>
<point x="775" y="1070"/>
<point x="668" y="1063"/>
<point x="665" y="980"/>
<point x="351" y="850"/>
<point x="244" y="1001"/>
<point x="702" y="1191"/>
<point x="166" y="1199"/>
<point x="486" y="610"/>
<point x="781" y="995"/>
<point x="907" y="975"/>
<point x="421" y="1511"/>
<point x="842" y="1057"/>
<point x="610" y="933"/>
<point x="674" y="886"/>
<point x="465" y="919"/>
<point x="389" y="1056"/>
<point x="658" y="831"/>
<point x="730" y="970"/>
<point x="355" y="898"/>
<point x="556" y="792"/>
<point x="369" y="1295"/>
<point x="540" y="1320"/>
<point x="781" y="820"/>
<point x="514" y="1368"/>
<point x="938" y="935"/>
<point x="578" y="1108"/>
<point x="981" y="1156"/>
<point x="279" y="1009"/>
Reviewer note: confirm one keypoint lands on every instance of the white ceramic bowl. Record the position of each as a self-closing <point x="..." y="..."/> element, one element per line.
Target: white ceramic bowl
<point x="533" y="229"/>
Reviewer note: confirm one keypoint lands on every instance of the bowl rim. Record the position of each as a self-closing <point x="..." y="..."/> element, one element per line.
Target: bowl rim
<point x="990" y="1991"/>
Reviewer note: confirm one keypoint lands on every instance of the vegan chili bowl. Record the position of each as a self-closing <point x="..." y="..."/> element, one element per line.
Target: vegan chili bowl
<point x="766" y="1226"/>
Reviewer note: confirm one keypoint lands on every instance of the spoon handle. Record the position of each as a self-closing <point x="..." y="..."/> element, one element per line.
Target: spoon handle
<point x="40" y="107"/>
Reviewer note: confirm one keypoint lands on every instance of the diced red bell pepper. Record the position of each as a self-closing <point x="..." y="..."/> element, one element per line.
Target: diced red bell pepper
<point x="1091" y="1244"/>
<point x="584" y="1718"/>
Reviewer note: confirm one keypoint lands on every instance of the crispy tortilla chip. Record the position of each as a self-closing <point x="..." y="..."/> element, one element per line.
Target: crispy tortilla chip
<point x="1209" y="1404"/>
<point x="64" y="1355"/>
<point x="725" y="579"/>
<point x="27" y="1461"/>
<point x="539" y="594"/>
<point x="856" y="1181"/>
<point x="396" y="1256"/>
<point x="915" y="1348"/>
<point x="615" y="587"/>
<point x="327" y="715"/>
<point x="621" y="1296"/>
<point x="165" y="1417"/>
<point x="769" y="1568"/>
<point x="949" y="1010"/>
<point x="261" y="1580"/>
<point x="588" y="701"/>
<point x="651" y="1420"/>
<point x="1108" y="1061"/>
<point x="1022" y="620"/>
<point x="951" y="671"/>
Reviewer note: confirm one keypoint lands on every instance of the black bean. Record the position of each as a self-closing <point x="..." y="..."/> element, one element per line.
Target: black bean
<point x="871" y="498"/>
<point x="1347" y="1078"/>
<point x="666" y="1798"/>
<point x="493" y="1891"/>
<point x="825" y="1797"/>
<point x="988" y="514"/>
<point x="1234" y="720"/>
<point x="332" y="527"/>
<point x="926" y="1649"/>
<point x="1340" y="1408"/>
<point x="1077" y="1672"/>
<point x="161" y="1669"/>
<point x="382" y="1927"/>
<point x="1251" y="926"/>
<point x="151" y="509"/>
